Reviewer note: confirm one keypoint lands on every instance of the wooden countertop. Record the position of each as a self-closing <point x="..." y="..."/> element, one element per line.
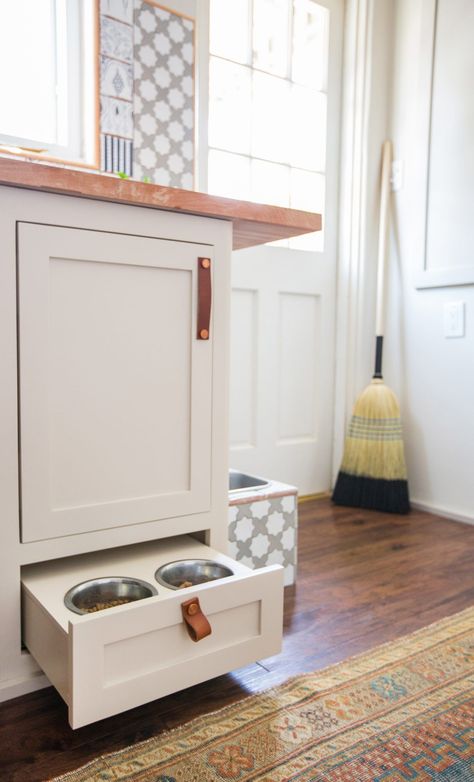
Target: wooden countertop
<point x="253" y="223"/>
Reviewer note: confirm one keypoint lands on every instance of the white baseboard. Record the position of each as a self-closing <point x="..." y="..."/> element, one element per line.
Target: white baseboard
<point x="13" y="688"/>
<point x="447" y="513"/>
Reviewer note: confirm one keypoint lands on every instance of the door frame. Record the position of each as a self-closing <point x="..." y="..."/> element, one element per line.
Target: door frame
<point x="368" y="35"/>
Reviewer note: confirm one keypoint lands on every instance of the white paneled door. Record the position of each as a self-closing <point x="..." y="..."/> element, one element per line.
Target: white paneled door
<point x="282" y="366"/>
<point x="282" y="92"/>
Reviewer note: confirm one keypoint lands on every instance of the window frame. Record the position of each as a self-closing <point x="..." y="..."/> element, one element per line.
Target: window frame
<point x="250" y="63"/>
<point x="81" y="116"/>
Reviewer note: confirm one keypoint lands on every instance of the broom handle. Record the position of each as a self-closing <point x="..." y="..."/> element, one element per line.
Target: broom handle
<point x="382" y="252"/>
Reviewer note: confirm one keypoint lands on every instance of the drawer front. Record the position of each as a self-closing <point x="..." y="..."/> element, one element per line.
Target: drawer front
<point x="121" y="660"/>
<point x="106" y="662"/>
<point x="115" y="388"/>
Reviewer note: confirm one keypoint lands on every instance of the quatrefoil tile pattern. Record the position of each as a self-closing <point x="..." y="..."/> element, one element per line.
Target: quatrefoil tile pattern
<point x="163" y="103"/>
<point x="264" y="532"/>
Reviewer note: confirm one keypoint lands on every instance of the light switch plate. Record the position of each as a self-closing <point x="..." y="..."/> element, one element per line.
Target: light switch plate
<point x="454" y="321"/>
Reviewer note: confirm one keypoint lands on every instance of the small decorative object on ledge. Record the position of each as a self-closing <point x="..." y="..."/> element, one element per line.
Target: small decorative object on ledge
<point x="163" y="96"/>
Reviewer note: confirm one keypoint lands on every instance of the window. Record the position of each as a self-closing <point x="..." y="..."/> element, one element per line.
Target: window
<point x="47" y="65"/>
<point x="268" y="103"/>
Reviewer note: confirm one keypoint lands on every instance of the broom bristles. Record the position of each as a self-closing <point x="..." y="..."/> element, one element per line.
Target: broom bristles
<point x="373" y="471"/>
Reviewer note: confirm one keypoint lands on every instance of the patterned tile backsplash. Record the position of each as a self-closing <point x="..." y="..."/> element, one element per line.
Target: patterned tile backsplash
<point x="116" y="79"/>
<point x="116" y="39"/>
<point x="147" y="91"/>
<point x="264" y="531"/>
<point x="118" y="9"/>
<point x="116" y="117"/>
<point x="116" y="154"/>
<point x="163" y="96"/>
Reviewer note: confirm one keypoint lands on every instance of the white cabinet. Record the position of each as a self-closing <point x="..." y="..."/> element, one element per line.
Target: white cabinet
<point x="114" y="450"/>
<point x="115" y="387"/>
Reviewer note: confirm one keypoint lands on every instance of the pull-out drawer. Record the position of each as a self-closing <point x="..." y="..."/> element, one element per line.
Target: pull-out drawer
<point x="106" y="662"/>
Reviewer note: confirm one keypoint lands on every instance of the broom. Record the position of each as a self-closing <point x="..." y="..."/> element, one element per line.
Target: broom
<point x="373" y="472"/>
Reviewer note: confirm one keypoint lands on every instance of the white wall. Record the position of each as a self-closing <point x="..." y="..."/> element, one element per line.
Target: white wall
<point x="433" y="376"/>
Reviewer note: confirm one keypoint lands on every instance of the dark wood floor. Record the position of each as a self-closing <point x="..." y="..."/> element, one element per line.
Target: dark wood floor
<point x="364" y="578"/>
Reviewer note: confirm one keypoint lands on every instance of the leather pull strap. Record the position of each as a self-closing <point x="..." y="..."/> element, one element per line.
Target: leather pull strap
<point x="204" y="298"/>
<point x="196" y="623"/>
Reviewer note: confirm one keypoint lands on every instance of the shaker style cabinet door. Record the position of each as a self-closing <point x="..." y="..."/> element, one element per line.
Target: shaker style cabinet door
<point x="114" y="386"/>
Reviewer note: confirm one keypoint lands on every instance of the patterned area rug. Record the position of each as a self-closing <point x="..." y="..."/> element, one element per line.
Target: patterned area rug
<point x="402" y="712"/>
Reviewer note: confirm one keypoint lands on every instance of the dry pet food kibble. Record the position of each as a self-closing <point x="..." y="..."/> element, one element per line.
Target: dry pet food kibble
<point x="107" y="604"/>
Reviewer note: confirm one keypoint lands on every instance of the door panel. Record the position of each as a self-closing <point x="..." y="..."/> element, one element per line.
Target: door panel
<point x="115" y="389"/>
<point x="299" y="339"/>
<point x="282" y="348"/>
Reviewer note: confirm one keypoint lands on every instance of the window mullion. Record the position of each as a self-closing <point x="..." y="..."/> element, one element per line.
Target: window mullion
<point x="250" y="53"/>
<point x="56" y="36"/>
<point x="291" y="11"/>
<point x="74" y="85"/>
<point x="64" y="93"/>
<point x="269" y="170"/>
<point x="49" y="116"/>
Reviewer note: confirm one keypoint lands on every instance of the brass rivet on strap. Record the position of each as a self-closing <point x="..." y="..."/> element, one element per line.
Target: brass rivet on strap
<point x="205" y="263"/>
<point x="204" y="334"/>
<point x="193" y="609"/>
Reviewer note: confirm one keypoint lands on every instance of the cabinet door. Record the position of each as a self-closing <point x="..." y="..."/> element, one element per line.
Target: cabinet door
<point x="115" y="389"/>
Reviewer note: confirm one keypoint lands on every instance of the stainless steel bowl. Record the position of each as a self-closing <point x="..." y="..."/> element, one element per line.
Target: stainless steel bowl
<point x="240" y="482"/>
<point x="99" y="594"/>
<point x="190" y="572"/>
